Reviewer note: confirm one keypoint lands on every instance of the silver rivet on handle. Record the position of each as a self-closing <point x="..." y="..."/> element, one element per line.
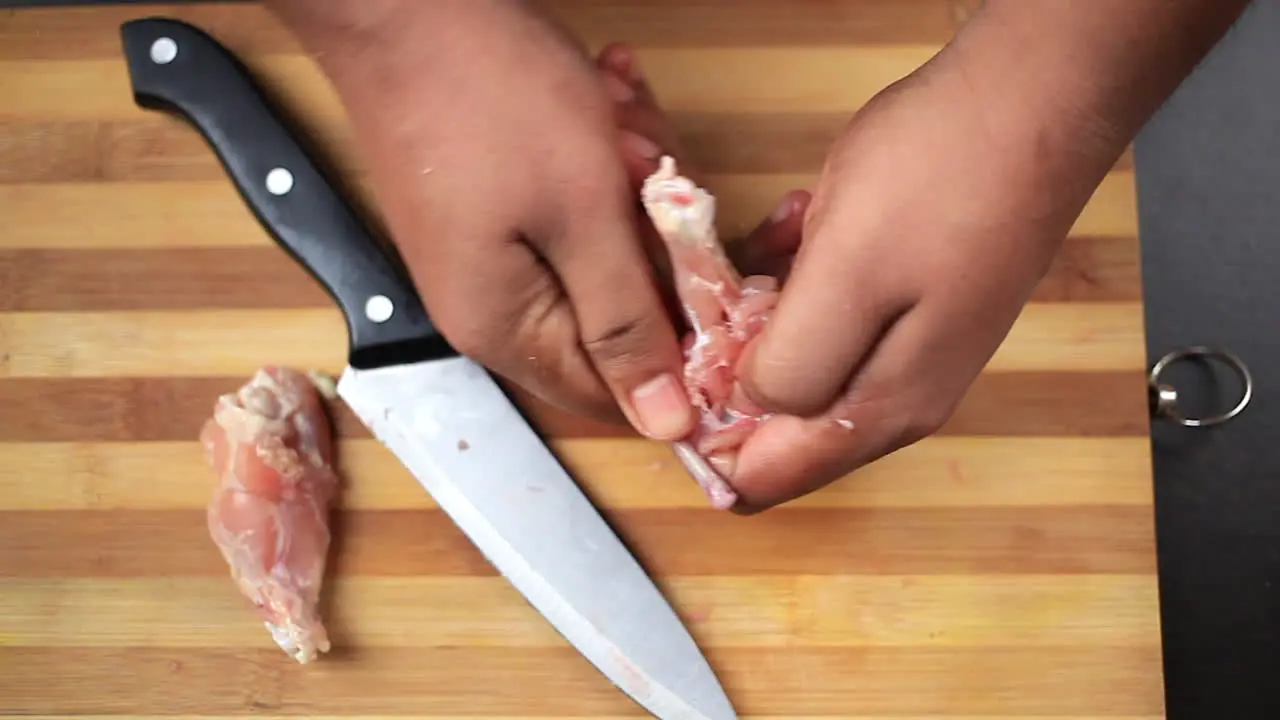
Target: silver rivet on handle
<point x="379" y="308"/>
<point x="163" y="51"/>
<point x="279" y="181"/>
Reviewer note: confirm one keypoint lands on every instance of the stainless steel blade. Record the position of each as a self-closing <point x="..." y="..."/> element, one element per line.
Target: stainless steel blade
<point x="456" y="431"/>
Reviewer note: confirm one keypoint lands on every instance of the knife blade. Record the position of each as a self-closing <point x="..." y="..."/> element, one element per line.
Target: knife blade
<point x="442" y="414"/>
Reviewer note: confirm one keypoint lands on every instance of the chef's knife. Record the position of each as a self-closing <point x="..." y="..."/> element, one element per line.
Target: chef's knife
<point x="441" y="414"/>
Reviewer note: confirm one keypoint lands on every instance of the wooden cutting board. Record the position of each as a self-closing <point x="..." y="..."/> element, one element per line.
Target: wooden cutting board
<point x="1005" y="567"/>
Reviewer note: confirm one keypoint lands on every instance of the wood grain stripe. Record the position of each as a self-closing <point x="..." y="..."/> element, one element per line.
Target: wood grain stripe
<point x="1088" y="269"/>
<point x="169" y="215"/>
<point x="224" y="343"/>
<point x="160" y="148"/>
<point x="763" y="681"/>
<point x="1031" y="404"/>
<point x="785" y="541"/>
<point x="617" y="473"/>
<point x="248" y="28"/>
<point x="802" y="80"/>
<point x="375" y="613"/>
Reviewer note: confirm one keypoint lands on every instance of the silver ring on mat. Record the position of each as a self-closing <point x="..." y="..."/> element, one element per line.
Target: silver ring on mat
<point x="1164" y="397"/>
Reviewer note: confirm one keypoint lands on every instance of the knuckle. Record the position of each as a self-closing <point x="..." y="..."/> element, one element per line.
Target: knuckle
<point x="586" y="203"/>
<point x="779" y="392"/>
<point x="625" y="343"/>
<point x="494" y="329"/>
<point x="905" y="416"/>
<point x="925" y="421"/>
<point x="469" y="338"/>
<point x="598" y="179"/>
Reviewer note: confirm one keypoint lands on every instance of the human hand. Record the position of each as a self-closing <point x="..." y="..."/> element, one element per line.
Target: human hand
<point x="936" y="214"/>
<point x="646" y="133"/>
<point x="493" y="154"/>
<point x="795" y="449"/>
<point x="723" y="293"/>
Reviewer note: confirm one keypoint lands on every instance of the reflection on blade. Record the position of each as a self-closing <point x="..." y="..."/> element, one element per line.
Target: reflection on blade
<point x="452" y="426"/>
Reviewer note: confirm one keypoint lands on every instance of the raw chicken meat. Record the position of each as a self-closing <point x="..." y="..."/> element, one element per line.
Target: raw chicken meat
<point x="724" y="311"/>
<point x="271" y="447"/>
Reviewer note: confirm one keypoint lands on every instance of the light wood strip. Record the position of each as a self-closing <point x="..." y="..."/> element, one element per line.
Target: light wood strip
<point x="1093" y="404"/>
<point x="162" y="148"/>
<point x="1080" y="540"/>
<point x="77" y="216"/>
<point x="373" y="613"/>
<point x="801" y="80"/>
<point x="249" y="28"/>
<point x="616" y="473"/>
<point x="1089" y="681"/>
<point x="215" y="343"/>
<point x="1088" y="269"/>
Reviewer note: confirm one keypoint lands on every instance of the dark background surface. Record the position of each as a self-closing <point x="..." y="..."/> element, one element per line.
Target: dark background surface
<point x="1208" y="169"/>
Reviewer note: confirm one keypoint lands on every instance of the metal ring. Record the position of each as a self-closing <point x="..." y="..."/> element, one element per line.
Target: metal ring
<point x="1164" y="398"/>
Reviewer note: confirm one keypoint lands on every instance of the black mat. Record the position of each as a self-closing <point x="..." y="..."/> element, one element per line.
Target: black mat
<point x="1208" y="169"/>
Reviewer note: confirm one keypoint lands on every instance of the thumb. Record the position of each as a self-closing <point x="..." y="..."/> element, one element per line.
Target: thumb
<point x="623" y="324"/>
<point x="832" y="311"/>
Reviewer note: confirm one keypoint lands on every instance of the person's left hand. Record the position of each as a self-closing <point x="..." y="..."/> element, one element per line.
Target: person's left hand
<point x="931" y="225"/>
<point x="937" y="213"/>
<point x="646" y="133"/>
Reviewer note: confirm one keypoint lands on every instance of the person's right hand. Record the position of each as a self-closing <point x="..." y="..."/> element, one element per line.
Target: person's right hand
<point x="493" y="155"/>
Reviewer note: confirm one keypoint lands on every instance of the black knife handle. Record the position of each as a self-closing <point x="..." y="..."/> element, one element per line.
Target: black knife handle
<point x="178" y="68"/>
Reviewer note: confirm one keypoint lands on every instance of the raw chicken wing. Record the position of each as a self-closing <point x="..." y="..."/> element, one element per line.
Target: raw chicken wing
<point x="724" y="311"/>
<point x="271" y="448"/>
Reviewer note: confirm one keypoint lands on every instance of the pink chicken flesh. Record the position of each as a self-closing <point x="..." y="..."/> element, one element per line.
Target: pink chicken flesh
<point x="271" y="448"/>
<point x="724" y="311"/>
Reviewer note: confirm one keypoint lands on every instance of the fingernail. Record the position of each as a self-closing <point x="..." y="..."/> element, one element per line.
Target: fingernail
<point x="618" y="90"/>
<point x="724" y="463"/>
<point x="783" y="211"/>
<point x="640" y="145"/>
<point x="662" y="408"/>
<point x="625" y="61"/>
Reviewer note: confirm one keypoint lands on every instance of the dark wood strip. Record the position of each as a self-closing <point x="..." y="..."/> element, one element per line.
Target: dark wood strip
<point x="159" y="148"/>
<point x="156" y="147"/>
<point x="1089" y="269"/>
<point x="1103" y="404"/>
<point x="915" y="681"/>
<point x="671" y="542"/>
<point x="774" y="143"/>
<point x="55" y="151"/>
<point x="1093" y="269"/>
<point x="248" y="28"/>
<point x="159" y="279"/>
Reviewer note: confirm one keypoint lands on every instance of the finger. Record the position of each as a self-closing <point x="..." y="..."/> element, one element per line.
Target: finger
<point x="770" y="248"/>
<point x="788" y="457"/>
<point x="639" y="156"/>
<point x="837" y="302"/>
<point x="623" y="323"/>
<point x="639" y="119"/>
<point x="527" y="333"/>
<point x="620" y="59"/>
<point x="901" y="396"/>
<point x="647" y="131"/>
